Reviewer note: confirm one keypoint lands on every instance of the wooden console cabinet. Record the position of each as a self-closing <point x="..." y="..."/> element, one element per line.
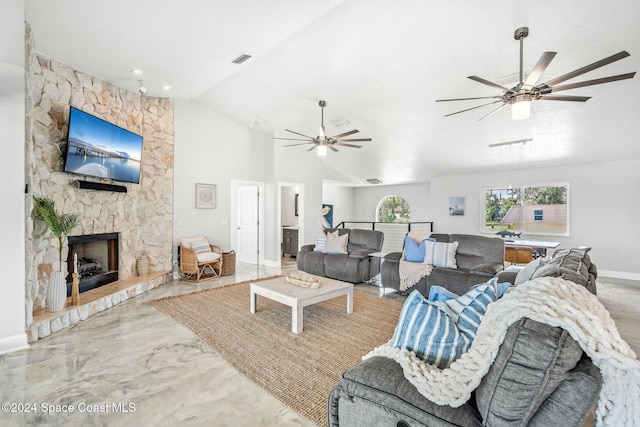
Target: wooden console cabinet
<point x="289" y="242"/>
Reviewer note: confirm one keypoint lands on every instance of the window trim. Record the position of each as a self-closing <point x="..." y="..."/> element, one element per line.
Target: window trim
<point x="484" y="189"/>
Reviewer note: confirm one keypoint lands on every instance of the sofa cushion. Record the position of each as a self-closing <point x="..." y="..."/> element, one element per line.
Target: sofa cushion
<point x="413" y="251"/>
<point x="568" y="264"/>
<point x="533" y="360"/>
<point x="527" y="272"/>
<point x="440" y="254"/>
<point x="336" y="244"/>
<point x="440" y="332"/>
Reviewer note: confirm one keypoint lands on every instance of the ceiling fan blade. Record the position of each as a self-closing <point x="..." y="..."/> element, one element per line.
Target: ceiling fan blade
<point x="488" y="83"/>
<point x="468" y="99"/>
<point x="586" y="69"/>
<point x="564" y="98"/>
<point x="472" y="108"/>
<point x="301" y="134"/>
<point x="348" y="145"/>
<point x="351" y="132"/>
<point x="493" y="112"/>
<point x="538" y="69"/>
<point x="332" y="148"/>
<point x="354" y="139"/>
<point x="302" y="143"/>
<point x="588" y="83"/>
<point x="291" y="139"/>
<point x="313" y="148"/>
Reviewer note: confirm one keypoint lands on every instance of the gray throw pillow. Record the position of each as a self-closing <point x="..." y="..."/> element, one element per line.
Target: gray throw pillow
<point x="528" y="271"/>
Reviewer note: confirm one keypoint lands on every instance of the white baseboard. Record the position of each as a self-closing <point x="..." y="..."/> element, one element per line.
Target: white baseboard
<point x="624" y="275"/>
<point x="13" y="343"/>
<point x="272" y="263"/>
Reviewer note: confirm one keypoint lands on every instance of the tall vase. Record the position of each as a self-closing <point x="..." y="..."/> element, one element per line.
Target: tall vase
<point x="57" y="292"/>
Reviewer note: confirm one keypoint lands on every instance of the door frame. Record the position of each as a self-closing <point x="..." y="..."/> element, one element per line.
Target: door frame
<point x="233" y="235"/>
<point x="300" y="186"/>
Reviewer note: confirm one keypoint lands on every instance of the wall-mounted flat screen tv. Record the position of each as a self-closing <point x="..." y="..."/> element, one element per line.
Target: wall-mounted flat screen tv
<point x="101" y="149"/>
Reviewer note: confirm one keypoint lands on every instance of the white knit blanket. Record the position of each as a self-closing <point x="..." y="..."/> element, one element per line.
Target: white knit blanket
<point x="411" y="272"/>
<point x="549" y="300"/>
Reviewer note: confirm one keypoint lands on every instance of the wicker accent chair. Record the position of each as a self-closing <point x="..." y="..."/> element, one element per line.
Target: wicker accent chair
<point x="199" y="260"/>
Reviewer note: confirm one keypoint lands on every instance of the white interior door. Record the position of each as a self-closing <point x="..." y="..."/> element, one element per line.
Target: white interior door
<point x="247" y="224"/>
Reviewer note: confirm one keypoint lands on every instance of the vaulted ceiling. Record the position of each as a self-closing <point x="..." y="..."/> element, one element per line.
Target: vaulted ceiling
<point x="379" y="64"/>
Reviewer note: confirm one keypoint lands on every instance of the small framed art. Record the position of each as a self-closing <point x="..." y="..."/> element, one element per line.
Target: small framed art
<point x="205" y="196"/>
<point x="456" y="206"/>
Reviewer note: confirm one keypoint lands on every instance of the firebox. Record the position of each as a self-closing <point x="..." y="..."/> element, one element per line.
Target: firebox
<point x="97" y="260"/>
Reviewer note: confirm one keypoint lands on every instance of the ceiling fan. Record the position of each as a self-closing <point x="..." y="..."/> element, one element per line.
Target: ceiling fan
<point x="322" y="141"/>
<point x="521" y="95"/>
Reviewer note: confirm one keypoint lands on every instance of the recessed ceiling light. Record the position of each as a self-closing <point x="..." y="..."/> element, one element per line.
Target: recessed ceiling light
<point x="167" y="87"/>
<point x="137" y="72"/>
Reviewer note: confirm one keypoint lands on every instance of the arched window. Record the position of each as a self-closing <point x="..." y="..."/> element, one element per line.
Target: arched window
<point x="393" y="209"/>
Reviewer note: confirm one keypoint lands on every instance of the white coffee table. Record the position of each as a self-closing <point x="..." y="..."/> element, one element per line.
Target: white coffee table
<point x="298" y="297"/>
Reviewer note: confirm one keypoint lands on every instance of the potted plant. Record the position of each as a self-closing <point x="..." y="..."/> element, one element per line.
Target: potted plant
<point x="60" y="225"/>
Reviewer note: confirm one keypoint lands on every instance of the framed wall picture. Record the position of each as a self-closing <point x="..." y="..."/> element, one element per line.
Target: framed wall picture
<point x="205" y="196"/>
<point x="456" y="206"/>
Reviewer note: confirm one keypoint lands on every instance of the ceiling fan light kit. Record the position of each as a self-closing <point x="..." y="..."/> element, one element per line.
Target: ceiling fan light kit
<point x="322" y="142"/>
<point x="526" y="91"/>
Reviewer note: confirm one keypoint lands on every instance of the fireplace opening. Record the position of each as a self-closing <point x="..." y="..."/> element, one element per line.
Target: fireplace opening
<point x="97" y="256"/>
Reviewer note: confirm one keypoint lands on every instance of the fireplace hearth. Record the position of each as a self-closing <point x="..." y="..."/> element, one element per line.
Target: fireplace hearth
<point x="97" y="260"/>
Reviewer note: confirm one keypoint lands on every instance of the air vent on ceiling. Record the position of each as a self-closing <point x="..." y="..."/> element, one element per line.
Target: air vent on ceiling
<point x="374" y="181"/>
<point x="341" y="123"/>
<point x="240" y="59"/>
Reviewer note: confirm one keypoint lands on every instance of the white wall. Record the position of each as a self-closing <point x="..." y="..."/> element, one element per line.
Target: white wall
<point x="12" y="244"/>
<point x="603" y="203"/>
<point x="342" y="199"/>
<point x="305" y="169"/>
<point x="417" y="196"/>
<point x="213" y="149"/>
<point x="287" y="206"/>
<point x="12" y="174"/>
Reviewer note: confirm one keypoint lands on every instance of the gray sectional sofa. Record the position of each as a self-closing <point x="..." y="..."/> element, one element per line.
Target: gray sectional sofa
<point x="355" y="266"/>
<point x="478" y="259"/>
<point x="540" y="377"/>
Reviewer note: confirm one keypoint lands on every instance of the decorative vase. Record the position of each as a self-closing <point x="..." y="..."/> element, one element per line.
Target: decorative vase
<point x="57" y="292"/>
<point x="143" y="265"/>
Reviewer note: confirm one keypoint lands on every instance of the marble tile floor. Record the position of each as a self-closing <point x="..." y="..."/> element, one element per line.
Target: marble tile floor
<point x="133" y="365"/>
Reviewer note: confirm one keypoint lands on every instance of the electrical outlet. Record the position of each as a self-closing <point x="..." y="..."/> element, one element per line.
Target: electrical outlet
<point x="224" y="222"/>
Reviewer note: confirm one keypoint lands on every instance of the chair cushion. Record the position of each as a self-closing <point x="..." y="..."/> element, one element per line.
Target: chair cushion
<point x="207" y="256"/>
<point x="188" y="242"/>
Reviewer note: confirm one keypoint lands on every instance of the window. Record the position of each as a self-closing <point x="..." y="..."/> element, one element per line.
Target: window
<point x="393" y="209"/>
<point x="542" y="210"/>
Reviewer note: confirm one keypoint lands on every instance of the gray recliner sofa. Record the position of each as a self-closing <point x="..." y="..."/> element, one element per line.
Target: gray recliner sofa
<point x="354" y="267"/>
<point x="540" y="377"/>
<point x="478" y="259"/>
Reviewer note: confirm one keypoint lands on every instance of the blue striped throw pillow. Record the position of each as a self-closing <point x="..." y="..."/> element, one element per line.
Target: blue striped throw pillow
<point x="440" y="332"/>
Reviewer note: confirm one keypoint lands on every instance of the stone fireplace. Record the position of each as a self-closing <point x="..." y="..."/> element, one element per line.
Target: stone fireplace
<point x="141" y="218"/>
<point x="95" y="258"/>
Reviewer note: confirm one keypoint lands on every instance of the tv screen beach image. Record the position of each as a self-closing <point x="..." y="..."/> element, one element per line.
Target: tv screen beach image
<point x="101" y="149"/>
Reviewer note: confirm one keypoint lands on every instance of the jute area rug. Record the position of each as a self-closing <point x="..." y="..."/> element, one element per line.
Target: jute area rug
<point x="299" y="370"/>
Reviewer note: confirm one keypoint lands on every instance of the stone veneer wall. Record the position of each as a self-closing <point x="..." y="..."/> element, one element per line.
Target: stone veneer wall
<point x="143" y="216"/>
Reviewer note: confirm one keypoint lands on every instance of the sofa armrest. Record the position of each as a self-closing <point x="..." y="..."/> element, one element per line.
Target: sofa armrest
<point x="307" y="248"/>
<point x="507" y="276"/>
<point x="393" y="257"/>
<point x="361" y="253"/>
<point x="488" y="269"/>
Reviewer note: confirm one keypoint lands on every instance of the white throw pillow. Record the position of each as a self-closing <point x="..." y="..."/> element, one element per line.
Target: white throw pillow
<point x="336" y="244"/>
<point x="321" y="240"/>
<point x="440" y="254"/>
